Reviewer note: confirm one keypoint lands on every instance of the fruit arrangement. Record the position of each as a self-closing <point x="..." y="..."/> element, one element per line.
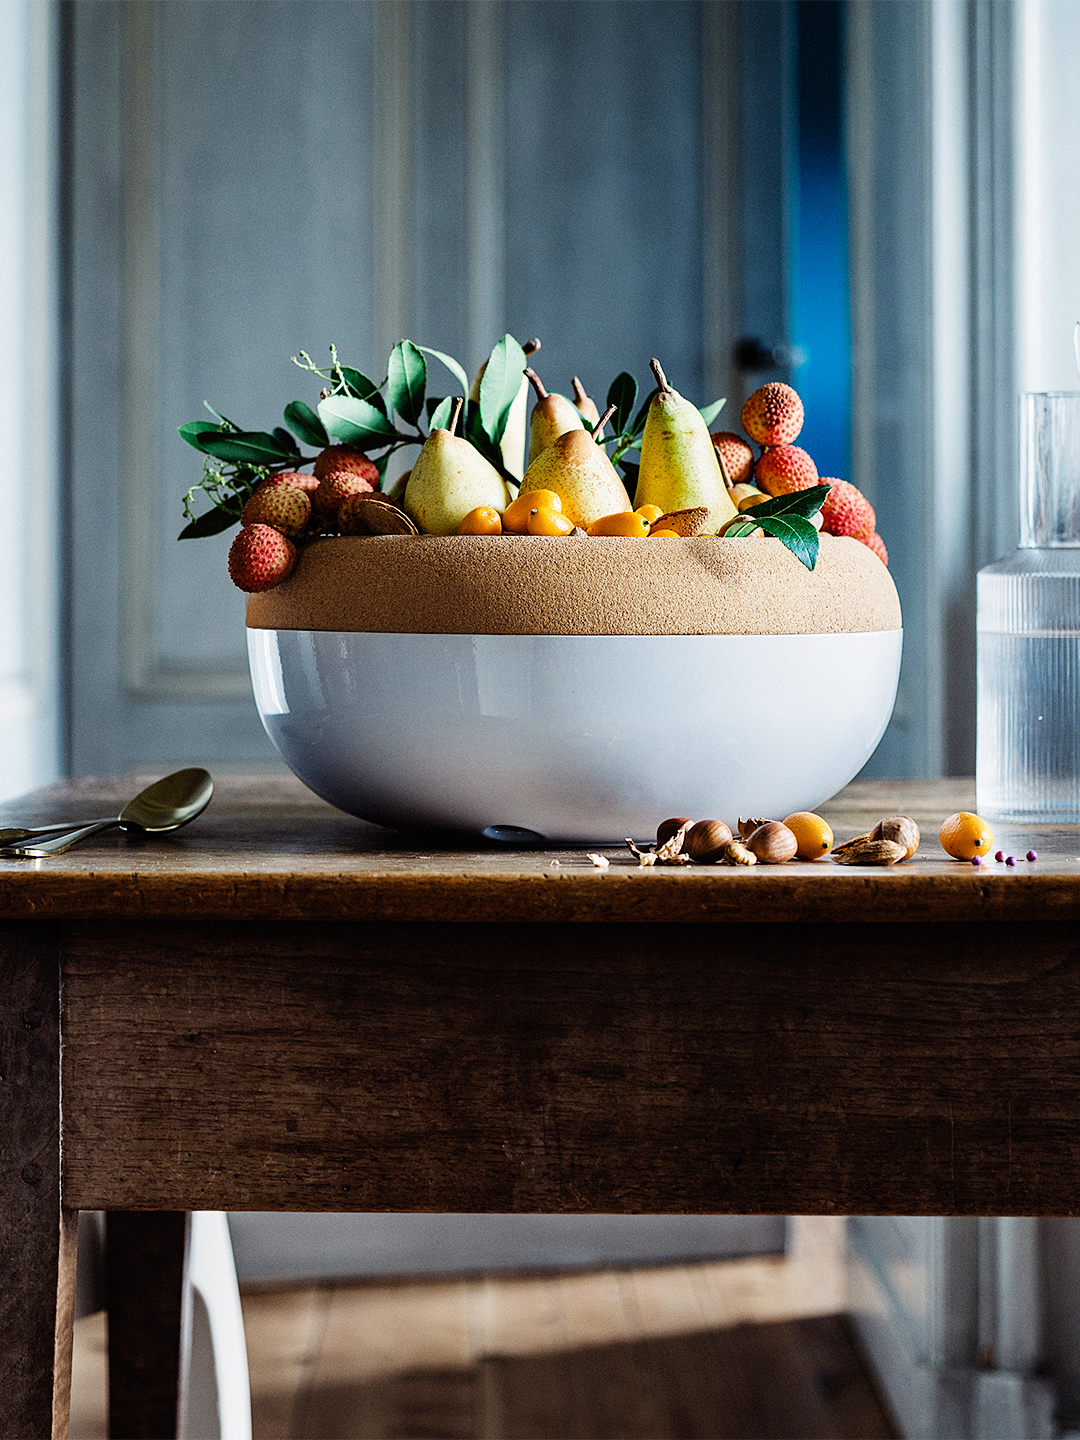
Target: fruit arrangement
<point x="482" y="470"/>
<point x="802" y="836"/>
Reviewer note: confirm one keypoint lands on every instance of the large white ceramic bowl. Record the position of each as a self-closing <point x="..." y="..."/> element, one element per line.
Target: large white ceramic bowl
<point x="568" y="737"/>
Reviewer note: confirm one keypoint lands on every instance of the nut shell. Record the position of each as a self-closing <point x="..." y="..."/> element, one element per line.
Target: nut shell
<point x="667" y="828"/>
<point x="773" y="843"/>
<point x="900" y="829"/>
<point x="706" y="841"/>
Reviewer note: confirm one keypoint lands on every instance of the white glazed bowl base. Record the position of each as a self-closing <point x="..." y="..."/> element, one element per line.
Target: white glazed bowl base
<point x="574" y="738"/>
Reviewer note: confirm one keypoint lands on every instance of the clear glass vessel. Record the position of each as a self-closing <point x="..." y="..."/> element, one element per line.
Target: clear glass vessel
<point x="1028" y="748"/>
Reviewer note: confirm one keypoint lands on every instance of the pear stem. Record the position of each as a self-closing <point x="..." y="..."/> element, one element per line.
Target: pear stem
<point x="531" y="346"/>
<point x="537" y="384"/>
<point x="661" y="378"/>
<point x="455" y="414"/>
<point x="604" y="418"/>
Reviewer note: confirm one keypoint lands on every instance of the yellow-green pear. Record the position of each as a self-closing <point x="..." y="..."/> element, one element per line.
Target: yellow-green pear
<point x="580" y="473"/>
<point x="679" y="468"/>
<point x="449" y="478"/>
<point x="512" y="444"/>
<point x="552" y="416"/>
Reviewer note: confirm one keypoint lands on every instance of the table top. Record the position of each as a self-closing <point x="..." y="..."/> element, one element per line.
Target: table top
<point x="267" y="848"/>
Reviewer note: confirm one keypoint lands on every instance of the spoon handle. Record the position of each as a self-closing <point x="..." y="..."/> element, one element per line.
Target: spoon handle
<point x="60" y="843"/>
<point x="27" y="832"/>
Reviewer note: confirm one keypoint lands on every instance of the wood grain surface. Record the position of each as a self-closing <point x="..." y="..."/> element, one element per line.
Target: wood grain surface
<point x="37" y="1238"/>
<point x="267" y="849"/>
<point x="807" y="1068"/>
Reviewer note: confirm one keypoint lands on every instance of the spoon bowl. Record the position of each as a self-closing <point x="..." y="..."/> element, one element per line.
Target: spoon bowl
<point x="168" y="804"/>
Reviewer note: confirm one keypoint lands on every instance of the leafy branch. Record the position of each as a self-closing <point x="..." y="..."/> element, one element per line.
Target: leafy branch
<point x="787" y="518"/>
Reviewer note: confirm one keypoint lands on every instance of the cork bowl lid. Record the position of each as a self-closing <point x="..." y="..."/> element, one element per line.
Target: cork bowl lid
<point x="538" y="585"/>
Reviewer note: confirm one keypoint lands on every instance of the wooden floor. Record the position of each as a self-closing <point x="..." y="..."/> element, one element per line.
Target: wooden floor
<point x="749" y="1349"/>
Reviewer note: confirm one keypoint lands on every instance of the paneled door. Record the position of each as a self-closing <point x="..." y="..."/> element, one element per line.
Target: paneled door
<point x="247" y="181"/>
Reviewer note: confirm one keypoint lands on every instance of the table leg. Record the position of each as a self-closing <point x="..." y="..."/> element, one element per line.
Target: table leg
<point x="38" y="1237"/>
<point x="145" y="1266"/>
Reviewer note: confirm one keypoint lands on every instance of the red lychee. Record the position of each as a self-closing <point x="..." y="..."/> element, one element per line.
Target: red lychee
<point x="773" y="415"/>
<point x="283" y="507"/>
<point x="345" y="458"/>
<point x="335" y="486"/>
<point x="294" y="479"/>
<point x="736" y="455"/>
<point x="784" y="468"/>
<point x="260" y="557"/>
<point x="847" y="511"/>
<point x="877" y="545"/>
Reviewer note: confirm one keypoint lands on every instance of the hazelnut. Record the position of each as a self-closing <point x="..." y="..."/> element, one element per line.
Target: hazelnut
<point x="667" y="828"/>
<point x="773" y="843"/>
<point x="706" y="840"/>
<point x="900" y="829"/>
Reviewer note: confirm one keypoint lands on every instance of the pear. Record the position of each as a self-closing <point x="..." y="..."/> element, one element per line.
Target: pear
<point x="580" y="473"/>
<point x="512" y="444"/>
<point x="585" y="405"/>
<point x="449" y="478"/>
<point x="679" y="468"/>
<point x="552" y="416"/>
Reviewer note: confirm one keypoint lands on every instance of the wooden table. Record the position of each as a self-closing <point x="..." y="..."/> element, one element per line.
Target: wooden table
<point x="282" y="1008"/>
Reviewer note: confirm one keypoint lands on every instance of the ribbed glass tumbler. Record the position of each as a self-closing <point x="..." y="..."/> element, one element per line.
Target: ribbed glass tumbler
<point x="1028" y="747"/>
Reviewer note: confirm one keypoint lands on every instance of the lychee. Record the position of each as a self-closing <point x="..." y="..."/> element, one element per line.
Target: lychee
<point x="773" y="415"/>
<point x="877" y="545"/>
<point x="735" y="455"/>
<point x="260" y="557"/>
<point x="335" y="486"/>
<point x="281" y="506"/>
<point x="784" y="468"/>
<point x="847" y="511"/>
<point x="345" y="458"/>
<point x="294" y="479"/>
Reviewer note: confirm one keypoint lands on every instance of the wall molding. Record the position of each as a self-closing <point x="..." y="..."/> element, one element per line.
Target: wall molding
<point x="485" y="239"/>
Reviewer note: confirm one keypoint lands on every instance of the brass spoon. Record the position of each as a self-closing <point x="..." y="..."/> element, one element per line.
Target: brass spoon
<point x="165" y="805"/>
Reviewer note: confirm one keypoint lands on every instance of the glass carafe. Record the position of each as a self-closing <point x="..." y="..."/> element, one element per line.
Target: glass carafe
<point x="1028" y="748"/>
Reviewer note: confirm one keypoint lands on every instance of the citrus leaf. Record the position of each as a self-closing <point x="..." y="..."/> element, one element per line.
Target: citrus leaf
<point x="709" y="413"/>
<point x="802" y="503"/>
<point x="301" y="419"/>
<point x="248" y="447"/>
<point x="194" y="430"/>
<point x="212" y="523"/>
<point x="355" y="421"/>
<point x="739" y="529"/>
<point x="287" y="438"/>
<point x="406" y="381"/>
<point x="797" y="534"/>
<point x="622" y="394"/>
<point x="503" y="378"/>
<point x="478" y="436"/>
<point x="440" y="416"/>
<point x="451" y="364"/>
<point x="359" y="386"/>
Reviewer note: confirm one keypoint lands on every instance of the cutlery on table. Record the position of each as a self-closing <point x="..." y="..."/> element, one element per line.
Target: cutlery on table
<point x="166" y="805"/>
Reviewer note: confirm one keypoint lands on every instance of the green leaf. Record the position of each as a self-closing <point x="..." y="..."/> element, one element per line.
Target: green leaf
<point x="193" y="431"/>
<point x="248" y="447"/>
<point x="643" y="414"/>
<point x="451" y="364"/>
<point x="630" y="478"/>
<point x="406" y="380"/>
<point x="709" y="413"/>
<point x="798" y="534"/>
<point x="362" y="388"/>
<point x="499" y="387"/>
<point x="355" y="421"/>
<point x="477" y="436"/>
<point x="739" y="529"/>
<point x="301" y="419"/>
<point x="440" y="416"/>
<point x="623" y="393"/>
<point x="802" y="503"/>
<point x="287" y="438"/>
<point x="212" y="523"/>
